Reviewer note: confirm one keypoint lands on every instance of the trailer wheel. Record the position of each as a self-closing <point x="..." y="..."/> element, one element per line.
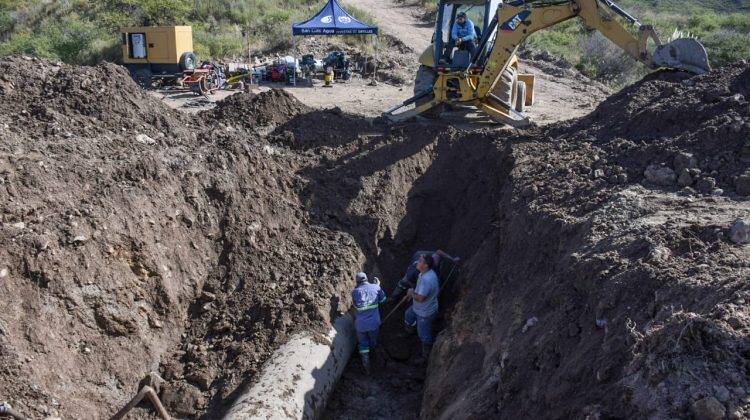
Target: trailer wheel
<point x="144" y="78"/>
<point x="188" y="61"/>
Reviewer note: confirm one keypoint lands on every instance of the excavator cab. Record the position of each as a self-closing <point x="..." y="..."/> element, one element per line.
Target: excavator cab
<point x="479" y="12"/>
<point x="443" y="61"/>
<point x="489" y="78"/>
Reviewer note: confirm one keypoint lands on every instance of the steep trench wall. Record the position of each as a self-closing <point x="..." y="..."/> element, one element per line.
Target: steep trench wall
<point x="137" y="239"/>
<point x="515" y="275"/>
<point x="444" y="196"/>
<point x="603" y="291"/>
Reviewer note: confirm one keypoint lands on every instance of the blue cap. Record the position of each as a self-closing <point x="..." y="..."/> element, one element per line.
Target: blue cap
<point x="361" y="277"/>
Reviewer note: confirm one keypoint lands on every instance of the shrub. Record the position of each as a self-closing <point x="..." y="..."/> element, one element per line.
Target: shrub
<point x="80" y="31"/>
<point x="727" y="46"/>
<point x="73" y="40"/>
<point x="604" y="61"/>
<point x="223" y="42"/>
<point x="561" y="40"/>
<point x="726" y="37"/>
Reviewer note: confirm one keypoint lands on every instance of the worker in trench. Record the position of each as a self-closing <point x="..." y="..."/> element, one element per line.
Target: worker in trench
<point x="409" y="280"/>
<point x="367" y="298"/>
<point x="424" y="307"/>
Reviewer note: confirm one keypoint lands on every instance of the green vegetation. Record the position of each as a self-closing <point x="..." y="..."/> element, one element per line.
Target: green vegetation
<point x="722" y="26"/>
<point x="86" y="32"/>
<point x="430" y="6"/>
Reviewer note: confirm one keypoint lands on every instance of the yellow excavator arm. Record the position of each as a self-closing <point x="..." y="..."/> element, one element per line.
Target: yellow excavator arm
<point x="515" y="21"/>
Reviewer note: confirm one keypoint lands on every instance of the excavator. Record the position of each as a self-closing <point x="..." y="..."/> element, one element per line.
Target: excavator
<point x="489" y="78"/>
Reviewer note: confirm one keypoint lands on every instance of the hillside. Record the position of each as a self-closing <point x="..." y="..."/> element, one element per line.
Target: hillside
<point x="722" y="27"/>
<point x="716" y="5"/>
<point x="81" y="32"/>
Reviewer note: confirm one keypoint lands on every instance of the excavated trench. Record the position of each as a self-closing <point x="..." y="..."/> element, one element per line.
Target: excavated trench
<point x="395" y="191"/>
<point x="450" y="201"/>
<point x="205" y="243"/>
<point x="140" y="239"/>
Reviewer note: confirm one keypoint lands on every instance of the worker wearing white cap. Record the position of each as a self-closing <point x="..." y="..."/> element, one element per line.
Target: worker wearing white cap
<point x="367" y="298"/>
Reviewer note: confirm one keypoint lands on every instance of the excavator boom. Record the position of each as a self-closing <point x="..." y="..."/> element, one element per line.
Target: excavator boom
<point x="487" y="79"/>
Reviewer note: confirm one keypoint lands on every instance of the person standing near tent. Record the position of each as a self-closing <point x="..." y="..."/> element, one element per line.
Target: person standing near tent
<point x="332" y="20"/>
<point x="367" y="298"/>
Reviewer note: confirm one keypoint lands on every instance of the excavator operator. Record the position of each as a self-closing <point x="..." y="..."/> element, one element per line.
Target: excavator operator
<point x="463" y="34"/>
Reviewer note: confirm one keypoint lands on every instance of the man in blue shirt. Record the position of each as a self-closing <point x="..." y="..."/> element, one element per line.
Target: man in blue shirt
<point x="424" y="310"/>
<point x="463" y="34"/>
<point x="367" y="298"/>
<point x="409" y="280"/>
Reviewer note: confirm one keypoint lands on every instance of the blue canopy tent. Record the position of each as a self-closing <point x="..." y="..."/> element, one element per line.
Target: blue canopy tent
<point x="332" y="20"/>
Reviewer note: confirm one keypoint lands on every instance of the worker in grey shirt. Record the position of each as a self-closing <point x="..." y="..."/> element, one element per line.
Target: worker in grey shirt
<point x="424" y="308"/>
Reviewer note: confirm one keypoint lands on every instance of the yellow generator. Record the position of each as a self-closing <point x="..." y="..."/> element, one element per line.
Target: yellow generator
<point x="157" y="52"/>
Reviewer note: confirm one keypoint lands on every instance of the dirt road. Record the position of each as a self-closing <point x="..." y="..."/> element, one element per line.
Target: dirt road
<point x="355" y="96"/>
<point x="401" y="20"/>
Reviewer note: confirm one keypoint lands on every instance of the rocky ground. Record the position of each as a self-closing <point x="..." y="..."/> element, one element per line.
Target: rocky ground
<point x="613" y="281"/>
<point x="602" y="276"/>
<point x="603" y="273"/>
<point x="131" y="232"/>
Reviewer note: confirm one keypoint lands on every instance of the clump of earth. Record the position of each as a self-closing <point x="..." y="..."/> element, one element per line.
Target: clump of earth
<point x="603" y="268"/>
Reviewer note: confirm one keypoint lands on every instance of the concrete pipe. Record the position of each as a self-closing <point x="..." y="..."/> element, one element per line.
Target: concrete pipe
<point x="297" y="380"/>
<point x="6" y="410"/>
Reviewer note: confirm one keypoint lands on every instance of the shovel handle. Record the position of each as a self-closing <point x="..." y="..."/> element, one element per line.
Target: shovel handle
<point x="405" y="298"/>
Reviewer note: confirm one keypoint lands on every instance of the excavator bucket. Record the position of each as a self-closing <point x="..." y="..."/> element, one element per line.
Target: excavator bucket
<point x="683" y="54"/>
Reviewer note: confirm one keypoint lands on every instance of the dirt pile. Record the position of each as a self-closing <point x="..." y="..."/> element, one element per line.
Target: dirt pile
<point x="61" y="99"/>
<point x="598" y="277"/>
<point x="96" y="243"/>
<point x="140" y="239"/>
<point x="257" y="111"/>
<point x="609" y="287"/>
<point x="323" y="131"/>
<point x="675" y="130"/>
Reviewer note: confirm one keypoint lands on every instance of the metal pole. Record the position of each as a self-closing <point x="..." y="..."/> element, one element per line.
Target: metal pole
<point x="364" y="68"/>
<point x="438" y="53"/>
<point x="377" y="50"/>
<point x="450" y="274"/>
